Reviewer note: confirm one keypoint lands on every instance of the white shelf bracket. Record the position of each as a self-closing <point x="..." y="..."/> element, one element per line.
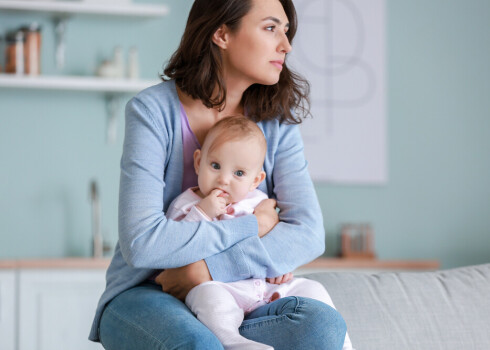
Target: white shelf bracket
<point x="113" y="102"/>
<point x="60" y="23"/>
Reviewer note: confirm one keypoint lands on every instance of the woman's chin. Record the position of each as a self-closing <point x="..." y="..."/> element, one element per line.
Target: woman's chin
<point x="269" y="82"/>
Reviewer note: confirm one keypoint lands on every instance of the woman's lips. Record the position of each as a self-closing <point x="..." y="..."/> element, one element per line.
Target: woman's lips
<point x="278" y="64"/>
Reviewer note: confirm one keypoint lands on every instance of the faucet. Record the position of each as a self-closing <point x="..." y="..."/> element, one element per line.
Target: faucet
<point x="98" y="248"/>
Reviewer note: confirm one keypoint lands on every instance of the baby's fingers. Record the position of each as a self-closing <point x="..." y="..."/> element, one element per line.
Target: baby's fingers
<point x="221" y="202"/>
<point x="274" y="280"/>
<point x="216" y="192"/>
<point x="287" y="277"/>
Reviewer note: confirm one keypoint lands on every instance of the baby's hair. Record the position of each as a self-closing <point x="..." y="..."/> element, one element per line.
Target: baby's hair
<point x="235" y="128"/>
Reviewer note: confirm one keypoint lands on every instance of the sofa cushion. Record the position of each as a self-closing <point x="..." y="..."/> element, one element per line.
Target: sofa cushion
<point x="447" y="309"/>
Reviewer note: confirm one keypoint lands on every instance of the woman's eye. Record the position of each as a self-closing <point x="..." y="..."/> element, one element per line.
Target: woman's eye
<point x="270" y="28"/>
<point x="215" y="166"/>
<point x="239" y="173"/>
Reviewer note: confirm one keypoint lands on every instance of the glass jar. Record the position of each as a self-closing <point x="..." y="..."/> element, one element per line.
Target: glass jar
<point x="14" y="52"/>
<point x="32" y="49"/>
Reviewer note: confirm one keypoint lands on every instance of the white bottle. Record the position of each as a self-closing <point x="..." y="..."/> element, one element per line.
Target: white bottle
<point x="118" y="62"/>
<point x="133" y="64"/>
<point x="19" y="53"/>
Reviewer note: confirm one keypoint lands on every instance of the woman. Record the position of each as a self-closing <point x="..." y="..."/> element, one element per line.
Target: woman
<point x="231" y="60"/>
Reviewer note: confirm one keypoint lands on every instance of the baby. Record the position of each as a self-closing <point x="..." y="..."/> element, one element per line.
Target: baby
<point x="229" y="170"/>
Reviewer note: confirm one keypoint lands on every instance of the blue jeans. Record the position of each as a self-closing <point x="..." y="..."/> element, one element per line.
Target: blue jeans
<point x="144" y="317"/>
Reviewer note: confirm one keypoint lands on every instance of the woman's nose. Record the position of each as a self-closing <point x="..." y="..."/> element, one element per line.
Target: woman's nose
<point x="285" y="46"/>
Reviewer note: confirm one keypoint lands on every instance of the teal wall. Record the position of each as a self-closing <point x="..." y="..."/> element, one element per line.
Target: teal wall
<point x="436" y="204"/>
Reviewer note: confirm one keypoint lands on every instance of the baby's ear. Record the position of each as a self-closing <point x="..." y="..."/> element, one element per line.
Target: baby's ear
<point x="197" y="160"/>
<point x="258" y="179"/>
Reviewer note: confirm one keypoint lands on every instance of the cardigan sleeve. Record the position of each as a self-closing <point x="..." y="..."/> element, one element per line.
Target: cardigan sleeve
<point x="147" y="238"/>
<point x="299" y="236"/>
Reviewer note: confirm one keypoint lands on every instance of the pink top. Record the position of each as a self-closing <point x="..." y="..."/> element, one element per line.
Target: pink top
<point x="190" y="144"/>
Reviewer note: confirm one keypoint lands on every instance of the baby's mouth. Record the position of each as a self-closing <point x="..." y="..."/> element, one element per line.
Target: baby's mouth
<point x="224" y="194"/>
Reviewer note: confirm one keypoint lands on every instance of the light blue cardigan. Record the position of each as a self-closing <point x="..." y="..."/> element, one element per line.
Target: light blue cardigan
<point x="151" y="177"/>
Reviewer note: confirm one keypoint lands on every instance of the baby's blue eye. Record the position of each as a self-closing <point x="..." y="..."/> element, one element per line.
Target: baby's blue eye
<point x="215" y="166"/>
<point x="239" y="173"/>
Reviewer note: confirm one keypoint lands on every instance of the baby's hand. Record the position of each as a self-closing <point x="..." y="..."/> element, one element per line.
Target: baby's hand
<point x="214" y="204"/>
<point x="281" y="279"/>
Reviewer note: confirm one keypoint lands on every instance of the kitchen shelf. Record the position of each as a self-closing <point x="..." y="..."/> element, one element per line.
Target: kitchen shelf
<point x="84" y="8"/>
<point x="112" y="88"/>
<point x="61" y="11"/>
<point x="74" y="83"/>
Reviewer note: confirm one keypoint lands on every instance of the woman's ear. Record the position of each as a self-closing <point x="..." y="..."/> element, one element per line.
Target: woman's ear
<point x="258" y="179"/>
<point x="221" y="36"/>
<point x="197" y="160"/>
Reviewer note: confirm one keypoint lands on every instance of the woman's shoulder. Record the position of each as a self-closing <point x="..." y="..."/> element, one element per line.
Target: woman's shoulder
<point x="160" y="102"/>
<point x="160" y="94"/>
<point x="275" y="129"/>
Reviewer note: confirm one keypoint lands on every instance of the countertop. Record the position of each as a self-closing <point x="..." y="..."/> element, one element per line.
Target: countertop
<point x="57" y="263"/>
<point x="320" y="263"/>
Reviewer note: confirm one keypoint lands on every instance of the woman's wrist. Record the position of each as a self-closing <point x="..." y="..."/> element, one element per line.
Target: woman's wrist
<point x="200" y="272"/>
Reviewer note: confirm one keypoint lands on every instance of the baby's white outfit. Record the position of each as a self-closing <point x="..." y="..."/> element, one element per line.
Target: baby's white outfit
<point x="222" y="306"/>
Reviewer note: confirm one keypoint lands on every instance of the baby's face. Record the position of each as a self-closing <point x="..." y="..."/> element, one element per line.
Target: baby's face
<point x="234" y="167"/>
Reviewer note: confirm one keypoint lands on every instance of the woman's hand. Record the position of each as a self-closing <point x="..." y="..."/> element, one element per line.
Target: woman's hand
<point x="267" y="216"/>
<point x="179" y="281"/>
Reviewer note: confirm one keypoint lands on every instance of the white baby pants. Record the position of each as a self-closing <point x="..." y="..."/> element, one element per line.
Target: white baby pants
<point x="222" y="306"/>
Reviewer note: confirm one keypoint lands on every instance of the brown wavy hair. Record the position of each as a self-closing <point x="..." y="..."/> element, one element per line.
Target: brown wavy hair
<point x="197" y="65"/>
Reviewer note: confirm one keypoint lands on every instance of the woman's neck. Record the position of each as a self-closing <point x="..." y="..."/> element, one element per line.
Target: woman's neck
<point x="195" y="106"/>
<point x="202" y="118"/>
<point x="235" y="88"/>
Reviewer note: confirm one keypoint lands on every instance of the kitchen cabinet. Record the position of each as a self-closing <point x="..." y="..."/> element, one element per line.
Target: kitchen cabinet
<point x="56" y="308"/>
<point x="49" y="304"/>
<point x="7" y="309"/>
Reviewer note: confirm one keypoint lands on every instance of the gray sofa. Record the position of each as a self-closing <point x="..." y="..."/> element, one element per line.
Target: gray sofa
<point x="447" y="309"/>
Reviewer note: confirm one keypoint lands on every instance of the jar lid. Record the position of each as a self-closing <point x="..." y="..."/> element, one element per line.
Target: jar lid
<point x="33" y="27"/>
<point x="14" y="36"/>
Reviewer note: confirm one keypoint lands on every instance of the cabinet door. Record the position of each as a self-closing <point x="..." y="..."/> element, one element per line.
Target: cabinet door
<point x="57" y="307"/>
<point x="7" y="310"/>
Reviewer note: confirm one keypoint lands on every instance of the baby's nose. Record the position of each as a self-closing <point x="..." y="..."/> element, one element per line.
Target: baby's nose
<point x="223" y="179"/>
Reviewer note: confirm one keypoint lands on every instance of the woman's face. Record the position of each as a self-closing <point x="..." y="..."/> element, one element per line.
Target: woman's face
<point x="255" y="53"/>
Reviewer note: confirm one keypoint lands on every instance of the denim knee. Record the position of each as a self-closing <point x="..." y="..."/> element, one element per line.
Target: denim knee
<point x="199" y="341"/>
<point x="325" y="321"/>
<point x="296" y="323"/>
<point x="286" y="305"/>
